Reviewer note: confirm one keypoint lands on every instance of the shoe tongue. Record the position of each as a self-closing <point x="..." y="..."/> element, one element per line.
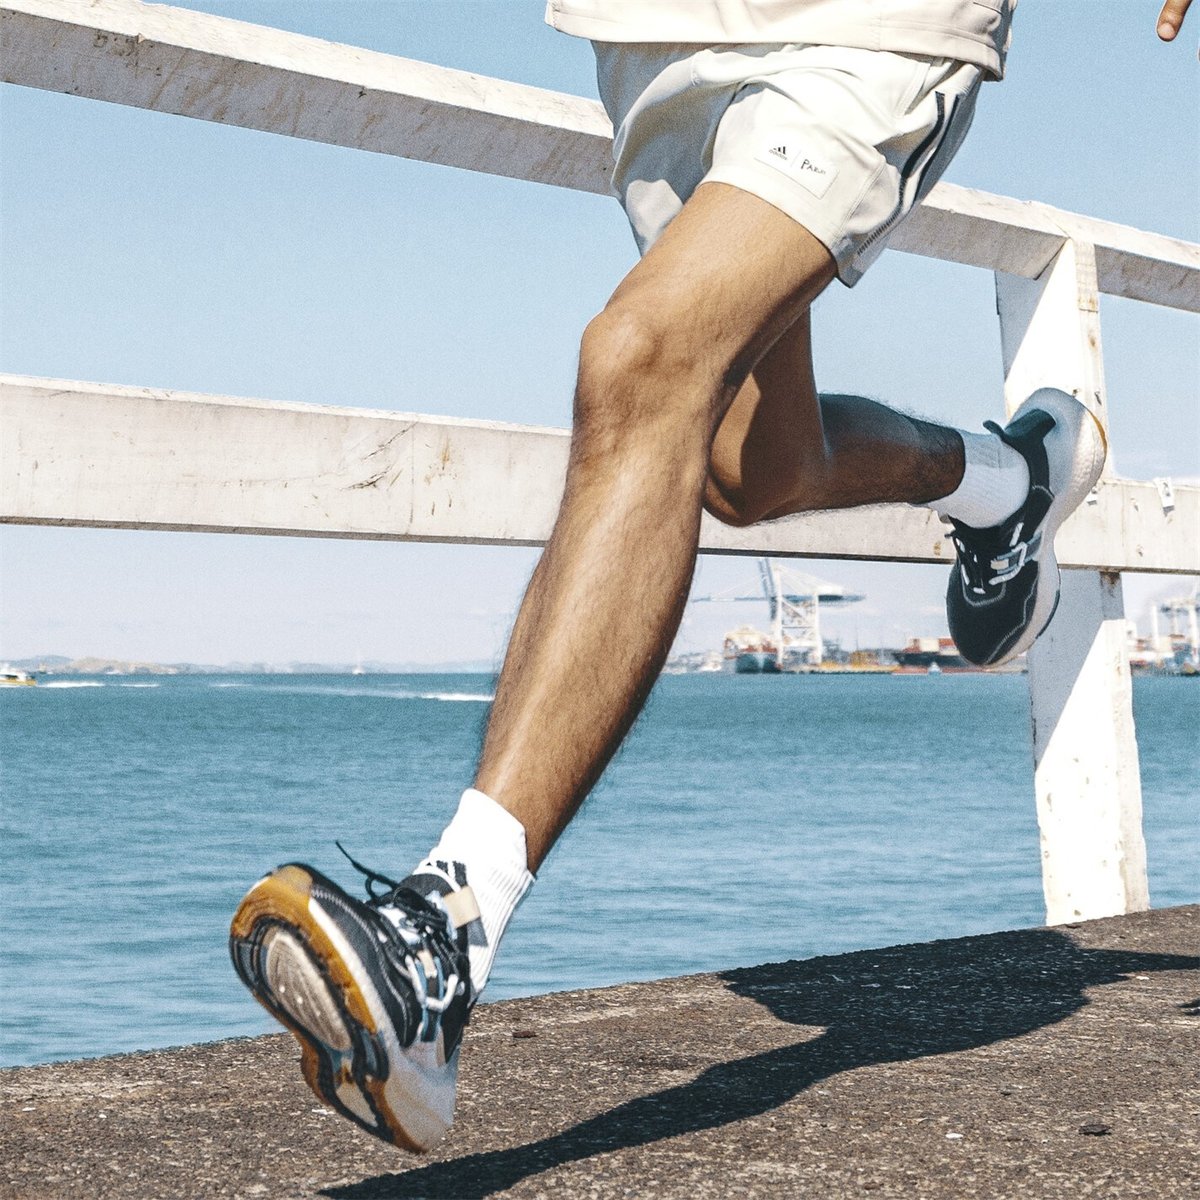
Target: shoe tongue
<point x="436" y="877"/>
<point x="461" y="907"/>
<point x="447" y="895"/>
<point x="983" y="543"/>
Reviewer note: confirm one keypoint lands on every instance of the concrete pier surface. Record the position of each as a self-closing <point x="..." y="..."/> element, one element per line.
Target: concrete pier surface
<point x="1046" y="1062"/>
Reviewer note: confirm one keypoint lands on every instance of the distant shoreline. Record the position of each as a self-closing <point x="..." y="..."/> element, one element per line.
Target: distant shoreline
<point x="61" y="665"/>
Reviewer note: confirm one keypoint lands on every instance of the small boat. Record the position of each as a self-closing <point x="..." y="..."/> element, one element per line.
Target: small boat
<point x="11" y="677"/>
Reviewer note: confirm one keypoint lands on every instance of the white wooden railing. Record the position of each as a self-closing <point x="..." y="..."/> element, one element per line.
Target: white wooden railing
<point x="176" y="461"/>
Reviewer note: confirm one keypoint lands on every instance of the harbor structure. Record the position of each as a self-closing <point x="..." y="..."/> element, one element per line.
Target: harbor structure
<point x="794" y="603"/>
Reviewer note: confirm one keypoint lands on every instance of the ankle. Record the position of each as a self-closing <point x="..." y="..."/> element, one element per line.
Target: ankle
<point x="485" y="846"/>
<point x="994" y="484"/>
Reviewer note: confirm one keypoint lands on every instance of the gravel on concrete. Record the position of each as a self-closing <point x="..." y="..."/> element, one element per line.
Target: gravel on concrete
<point x="1045" y="1062"/>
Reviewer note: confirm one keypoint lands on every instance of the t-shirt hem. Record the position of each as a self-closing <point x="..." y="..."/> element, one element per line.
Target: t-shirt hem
<point x="927" y="40"/>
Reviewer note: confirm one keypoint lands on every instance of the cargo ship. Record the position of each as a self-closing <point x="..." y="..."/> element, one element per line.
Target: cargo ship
<point x="750" y="652"/>
<point x="931" y="655"/>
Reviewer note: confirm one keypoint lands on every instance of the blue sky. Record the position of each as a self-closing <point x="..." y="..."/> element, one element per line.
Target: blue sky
<point x="150" y="250"/>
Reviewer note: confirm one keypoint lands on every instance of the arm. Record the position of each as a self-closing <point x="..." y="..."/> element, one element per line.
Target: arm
<point x="1171" y="18"/>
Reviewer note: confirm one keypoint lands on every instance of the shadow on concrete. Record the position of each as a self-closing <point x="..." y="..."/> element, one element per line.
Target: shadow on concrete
<point x="876" y="1006"/>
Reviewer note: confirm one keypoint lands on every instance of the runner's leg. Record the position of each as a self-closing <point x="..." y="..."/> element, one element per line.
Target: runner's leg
<point x="658" y="369"/>
<point x="783" y="449"/>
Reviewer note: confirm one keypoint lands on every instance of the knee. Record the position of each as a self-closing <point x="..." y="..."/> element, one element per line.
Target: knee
<point x="635" y="375"/>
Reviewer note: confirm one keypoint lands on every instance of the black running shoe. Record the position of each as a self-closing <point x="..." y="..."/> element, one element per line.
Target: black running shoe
<point x="376" y="993"/>
<point x="1004" y="590"/>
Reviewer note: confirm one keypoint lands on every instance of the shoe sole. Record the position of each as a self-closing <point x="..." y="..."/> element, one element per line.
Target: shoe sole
<point x="1077" y="442"/>
<point x="297" y="963"/>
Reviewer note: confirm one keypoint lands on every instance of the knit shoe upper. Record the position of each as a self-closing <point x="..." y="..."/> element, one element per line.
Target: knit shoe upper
<point x="1004" y="588"/>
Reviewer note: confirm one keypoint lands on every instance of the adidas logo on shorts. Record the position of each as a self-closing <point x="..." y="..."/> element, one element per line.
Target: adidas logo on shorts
<point x="811" y="173"/>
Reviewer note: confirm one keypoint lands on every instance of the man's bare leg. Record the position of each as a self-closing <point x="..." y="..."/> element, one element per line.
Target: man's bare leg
<point x="782" y="448"/>
<point x="695" y="390"/>
<point x="658" y="369"/>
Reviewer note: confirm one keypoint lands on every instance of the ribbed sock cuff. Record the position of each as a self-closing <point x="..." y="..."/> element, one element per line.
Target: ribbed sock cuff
<point x="490" y="843"/>
<point x="994" y="485"/>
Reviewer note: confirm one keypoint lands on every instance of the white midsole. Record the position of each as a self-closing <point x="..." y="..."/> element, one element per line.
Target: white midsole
<point x="420" y="1086"/>
<point x="1072" y="421"/>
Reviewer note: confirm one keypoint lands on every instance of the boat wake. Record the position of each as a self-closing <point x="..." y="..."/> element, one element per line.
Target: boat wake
<point x="374" y="693"/>
<point x="93" y="683"/>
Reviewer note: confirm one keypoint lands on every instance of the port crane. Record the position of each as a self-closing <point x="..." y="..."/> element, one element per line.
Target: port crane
<point x="794" y="603"/>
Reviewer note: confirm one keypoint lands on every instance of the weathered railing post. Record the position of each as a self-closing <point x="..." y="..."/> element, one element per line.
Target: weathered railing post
<point x="1089" y="798"/>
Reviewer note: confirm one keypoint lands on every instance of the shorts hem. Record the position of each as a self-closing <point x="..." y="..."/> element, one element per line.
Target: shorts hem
<point x="779" y="194"/>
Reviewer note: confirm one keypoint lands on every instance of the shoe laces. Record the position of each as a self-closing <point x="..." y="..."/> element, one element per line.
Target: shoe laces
<point x="989" y="558"/>
<point x="370" y="878"/>
<point x="418" y="930"/>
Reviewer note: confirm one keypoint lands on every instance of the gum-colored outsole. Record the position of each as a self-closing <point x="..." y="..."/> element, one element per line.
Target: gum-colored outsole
<point x="284" y="896"/>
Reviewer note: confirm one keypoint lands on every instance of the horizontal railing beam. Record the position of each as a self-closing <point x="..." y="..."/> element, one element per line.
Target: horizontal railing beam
<point x="193" y="64"/>
<point x="135" y="458"/>
<point x="215" y="69"/>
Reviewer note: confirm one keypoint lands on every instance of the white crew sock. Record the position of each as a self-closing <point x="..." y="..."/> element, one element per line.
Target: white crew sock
<point x="994" y="485"/>
<point x="489" y="842"/>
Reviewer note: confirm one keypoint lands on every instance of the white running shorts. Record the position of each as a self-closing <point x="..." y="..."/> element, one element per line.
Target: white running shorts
<point x="844" y="141"/>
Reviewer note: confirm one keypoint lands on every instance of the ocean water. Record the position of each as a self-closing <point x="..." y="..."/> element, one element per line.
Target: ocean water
<point x="748" y="819"/>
